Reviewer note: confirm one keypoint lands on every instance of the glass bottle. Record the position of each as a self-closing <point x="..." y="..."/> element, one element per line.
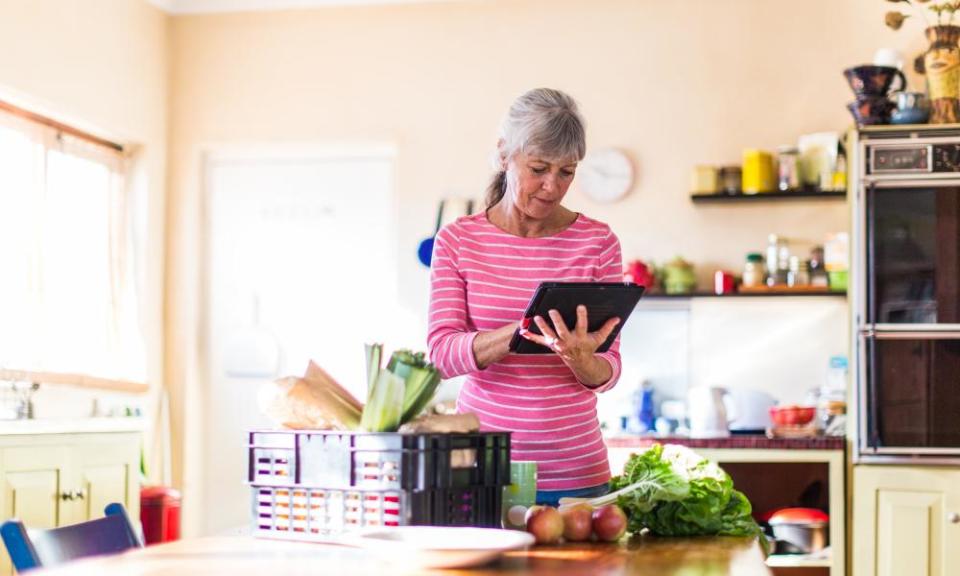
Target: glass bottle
<point x="778" y="260"/>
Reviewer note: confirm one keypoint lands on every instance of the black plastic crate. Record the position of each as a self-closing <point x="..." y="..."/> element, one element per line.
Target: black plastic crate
<point x="302" y="513"/>
<point x="378" y="461"/>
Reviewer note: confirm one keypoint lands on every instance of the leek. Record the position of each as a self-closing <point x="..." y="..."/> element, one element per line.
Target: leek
<point x="385" y="407"/>
<point x="420" y="387"/>
<point x="374" y="353"/>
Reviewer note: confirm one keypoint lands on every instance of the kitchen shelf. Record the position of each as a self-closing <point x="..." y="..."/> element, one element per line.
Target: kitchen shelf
<point x="769" y="196"/>
<point x="770" y="294"/>
<point x="797" y="561"/>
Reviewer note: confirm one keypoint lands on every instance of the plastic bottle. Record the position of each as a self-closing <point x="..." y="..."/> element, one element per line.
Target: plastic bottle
<point x="646" y="412"/>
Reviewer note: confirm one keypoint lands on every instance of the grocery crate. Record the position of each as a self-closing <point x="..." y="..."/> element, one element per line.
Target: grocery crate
<point x="378" y="460"/>
<point x="309" y="485"/>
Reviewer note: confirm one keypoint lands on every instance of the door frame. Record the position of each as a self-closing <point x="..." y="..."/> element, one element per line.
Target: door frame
<point x="194" y="397"/>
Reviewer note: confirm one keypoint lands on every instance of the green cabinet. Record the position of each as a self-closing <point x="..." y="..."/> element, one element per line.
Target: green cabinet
<point x="906" y="521"/>
<point x="51" y="480"/>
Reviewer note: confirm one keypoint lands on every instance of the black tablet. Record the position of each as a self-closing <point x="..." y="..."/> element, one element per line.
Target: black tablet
<point x="604" y="300"/>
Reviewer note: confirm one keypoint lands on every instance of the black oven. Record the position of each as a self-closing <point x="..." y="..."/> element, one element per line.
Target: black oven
<point x="906" y="291"/>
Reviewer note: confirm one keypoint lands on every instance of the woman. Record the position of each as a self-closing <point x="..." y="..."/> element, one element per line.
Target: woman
<point x="486" y="267"/>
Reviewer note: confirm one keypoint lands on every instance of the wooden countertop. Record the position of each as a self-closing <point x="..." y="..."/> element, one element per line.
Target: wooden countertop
<point x="246" y="556"/>
<point x="71" y="426"/>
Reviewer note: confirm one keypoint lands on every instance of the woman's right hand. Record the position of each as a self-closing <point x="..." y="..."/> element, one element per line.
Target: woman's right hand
<point x="492" y="346"/>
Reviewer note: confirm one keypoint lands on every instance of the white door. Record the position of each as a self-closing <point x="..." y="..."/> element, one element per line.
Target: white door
<point x="301" y="263"/>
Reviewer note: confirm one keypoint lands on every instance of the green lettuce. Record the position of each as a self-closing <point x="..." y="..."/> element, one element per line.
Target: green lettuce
<point x="672" y="491"/>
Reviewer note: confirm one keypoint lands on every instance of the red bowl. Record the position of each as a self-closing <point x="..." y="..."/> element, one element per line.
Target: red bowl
<point x="792" y="415"/>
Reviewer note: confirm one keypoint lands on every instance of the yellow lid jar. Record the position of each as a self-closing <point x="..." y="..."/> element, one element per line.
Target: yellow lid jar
<point x="758" y="172"/>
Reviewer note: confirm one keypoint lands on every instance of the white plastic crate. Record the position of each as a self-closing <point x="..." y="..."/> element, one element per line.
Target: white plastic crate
<point x="315" y="514"/>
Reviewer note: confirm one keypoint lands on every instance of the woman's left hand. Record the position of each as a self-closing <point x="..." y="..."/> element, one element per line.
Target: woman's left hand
<point x="576" y="347"/>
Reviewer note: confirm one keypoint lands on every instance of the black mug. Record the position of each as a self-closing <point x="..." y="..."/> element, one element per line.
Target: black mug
<point x="871" y="80"/>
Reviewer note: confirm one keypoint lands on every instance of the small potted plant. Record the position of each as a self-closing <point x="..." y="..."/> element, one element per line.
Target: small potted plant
<point x="941" y="62"/>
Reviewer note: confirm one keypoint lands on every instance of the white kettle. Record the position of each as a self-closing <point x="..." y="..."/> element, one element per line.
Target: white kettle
<point x="709" y="414"/>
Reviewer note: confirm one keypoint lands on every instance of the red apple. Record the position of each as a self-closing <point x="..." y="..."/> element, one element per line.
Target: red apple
<point x="577" y="522"/>
<point x="545" y="523"/>
<point x="609" y="523"/>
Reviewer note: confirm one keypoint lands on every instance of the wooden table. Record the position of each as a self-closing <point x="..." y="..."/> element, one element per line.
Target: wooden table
<point x="246" y="556"/>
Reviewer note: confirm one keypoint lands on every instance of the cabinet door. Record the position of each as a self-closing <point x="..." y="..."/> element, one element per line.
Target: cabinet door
<point x="903" y="521"/>
<point x="32" y="482"/>
<point x="107" y="473"/>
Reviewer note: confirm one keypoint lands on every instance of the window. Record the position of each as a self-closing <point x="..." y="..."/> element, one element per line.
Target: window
<point x="67" y="301"/>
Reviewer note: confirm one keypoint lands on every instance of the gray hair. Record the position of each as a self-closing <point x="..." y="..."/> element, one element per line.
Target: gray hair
<point x="541" y="121"/>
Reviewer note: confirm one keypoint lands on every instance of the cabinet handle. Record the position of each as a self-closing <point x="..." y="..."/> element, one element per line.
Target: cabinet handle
<point x="71" y="495"/>
<point x="954" y="518"/>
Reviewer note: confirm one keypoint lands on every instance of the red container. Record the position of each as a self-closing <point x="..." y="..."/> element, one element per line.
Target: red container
<point x="724" y="282"/>
<point x="792" y="415"/>
<point x="159" y="514"/>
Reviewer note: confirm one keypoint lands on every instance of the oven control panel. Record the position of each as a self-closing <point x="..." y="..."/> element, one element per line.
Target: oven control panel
<point x="914" y="159"/>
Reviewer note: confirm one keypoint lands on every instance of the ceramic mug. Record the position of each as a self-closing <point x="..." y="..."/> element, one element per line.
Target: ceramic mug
<point x="912" y="108"/>
<point x="869" y="110"/>
<point x="888" y="57"/>
<point x="870" y="80"/>
<point x="912" y="100"/>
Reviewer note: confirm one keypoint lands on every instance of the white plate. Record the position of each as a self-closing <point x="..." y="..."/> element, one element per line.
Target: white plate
<point x="440" y="546"/>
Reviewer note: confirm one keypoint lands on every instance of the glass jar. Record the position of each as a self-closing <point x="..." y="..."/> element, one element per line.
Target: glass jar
<point x="754" y="271"/>
<point x="730" y="180"/>
<point x="799" y="273"/>
<point x="778" y="256"/>
<point x="520" y="495"/>
<point x="788" y="176"/>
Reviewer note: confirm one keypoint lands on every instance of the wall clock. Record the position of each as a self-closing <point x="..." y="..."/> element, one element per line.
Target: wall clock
<point x="605" y="175"/>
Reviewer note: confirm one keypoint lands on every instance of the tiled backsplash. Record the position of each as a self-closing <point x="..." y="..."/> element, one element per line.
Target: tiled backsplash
<point x="780" y="345"/>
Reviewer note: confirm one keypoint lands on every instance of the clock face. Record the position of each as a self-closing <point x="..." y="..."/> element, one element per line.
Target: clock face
<point x="605" y="175"/>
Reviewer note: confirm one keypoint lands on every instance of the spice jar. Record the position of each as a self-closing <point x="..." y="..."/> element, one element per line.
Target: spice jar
<point x="754" y="272"/>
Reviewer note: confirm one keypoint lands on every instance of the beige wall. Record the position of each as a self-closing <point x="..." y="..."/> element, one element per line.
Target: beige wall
<point x="101" y="65"/>
<point x="674" y="82"/>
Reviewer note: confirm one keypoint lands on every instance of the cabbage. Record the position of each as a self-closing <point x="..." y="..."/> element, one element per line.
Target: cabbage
<point x="672" y="491"/>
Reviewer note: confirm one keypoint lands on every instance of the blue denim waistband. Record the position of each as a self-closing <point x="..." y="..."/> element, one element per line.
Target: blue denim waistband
<point x="552" y="497"/>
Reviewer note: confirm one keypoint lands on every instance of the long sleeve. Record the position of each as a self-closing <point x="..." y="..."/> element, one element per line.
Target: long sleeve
<point x="449" y="338"/>
<point x="611" y="270"/>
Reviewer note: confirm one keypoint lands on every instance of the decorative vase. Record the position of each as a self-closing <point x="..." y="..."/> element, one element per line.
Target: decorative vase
<point x="942" y="65"/>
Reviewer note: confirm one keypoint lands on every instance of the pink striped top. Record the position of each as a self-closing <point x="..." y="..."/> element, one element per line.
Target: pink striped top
<point x="481" y="279"/>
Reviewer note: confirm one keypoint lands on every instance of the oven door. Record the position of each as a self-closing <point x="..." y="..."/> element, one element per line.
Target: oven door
<point x="912" y="274"/>
<point x="910" y="398"/>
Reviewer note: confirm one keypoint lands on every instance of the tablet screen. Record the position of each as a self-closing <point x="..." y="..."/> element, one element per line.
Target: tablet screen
<point x="604" y="300"/>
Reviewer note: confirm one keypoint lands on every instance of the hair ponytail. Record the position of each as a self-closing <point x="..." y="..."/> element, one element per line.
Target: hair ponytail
<point x="497" y="188"/>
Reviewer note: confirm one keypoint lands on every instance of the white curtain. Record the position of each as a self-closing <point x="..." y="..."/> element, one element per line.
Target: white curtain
<point x="68" y="302"/>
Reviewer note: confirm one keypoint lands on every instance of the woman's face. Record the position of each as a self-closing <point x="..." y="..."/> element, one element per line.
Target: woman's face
<point x="536" y="185"/>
